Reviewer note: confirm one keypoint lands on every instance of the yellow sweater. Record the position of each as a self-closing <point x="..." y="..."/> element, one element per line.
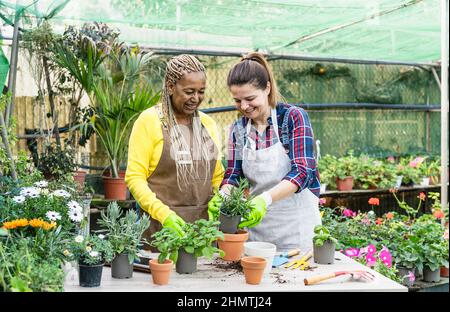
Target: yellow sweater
<point x="144" y="152"/>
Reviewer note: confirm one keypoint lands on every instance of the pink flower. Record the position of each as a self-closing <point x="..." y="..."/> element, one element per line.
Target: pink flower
<point x="371" y="249"/>
<point x="413" y="163"/>
<point x="365" y="221"/>
<point x="322" y="201"/>
<point x="391" y="159"/>
<point x="348" y="213"/>
<point x="411" y="276"/>
<point x="352" y="252"/>
<point x="370" y="260"/>
<point x="385" y="257"/>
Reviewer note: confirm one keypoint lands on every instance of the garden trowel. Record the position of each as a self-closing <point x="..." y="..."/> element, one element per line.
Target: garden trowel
<point x="283" y="258"/>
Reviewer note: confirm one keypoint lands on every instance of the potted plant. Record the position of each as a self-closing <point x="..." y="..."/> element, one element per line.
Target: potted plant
<point x="324" y="245"/>
<point x="114" y="81"/>
<point x="166" y="241"/>
<point x="433" y="248"/>
<point x="374" y="174"/>
<point x="345" y="169"/>
<point x="198" y="241"/>
<point x="91" y="252"/>
<point x="325" y="165"/>
<point x="407" y="168"/>
<point x="234" y="207"/>
<point x="124" y="233"/>
<point x="406" y="257"/>
<point x="433" y="171"/>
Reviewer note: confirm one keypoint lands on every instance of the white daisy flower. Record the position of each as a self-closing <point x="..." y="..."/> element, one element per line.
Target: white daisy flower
<point x="61" y="193"/>
<point x="101" y="236"/>
<point x="32" y="192"/>
<point x="42" y="183"/>
<point x="371" y="213"/>
<point x="74" y="206"/>
<point x="53" y="215"/>
<point x="88" y="248"/>
<point x="94" y="254"/>
<point x="19" y="199"/>
<point x="75" y="215"/>
<point x="79" y="238"/>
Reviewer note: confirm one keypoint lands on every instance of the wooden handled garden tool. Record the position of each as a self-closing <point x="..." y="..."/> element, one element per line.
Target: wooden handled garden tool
<point x="283" y="258"/>
<point x="356" y="274"/>
<point x="300" y="263"/>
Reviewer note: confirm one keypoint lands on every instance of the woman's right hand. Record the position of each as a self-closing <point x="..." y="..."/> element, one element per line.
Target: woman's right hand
<point x="175" y="222"/>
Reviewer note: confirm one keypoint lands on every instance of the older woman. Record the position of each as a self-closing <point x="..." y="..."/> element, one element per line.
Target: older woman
<point x="173" y="157"/>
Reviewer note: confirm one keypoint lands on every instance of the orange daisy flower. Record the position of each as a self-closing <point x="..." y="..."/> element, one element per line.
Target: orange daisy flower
<point x="389" y="215"/>
<point x="421" y="196"/>
<point x="379" y="221"/>
<point x="374" y="201"/>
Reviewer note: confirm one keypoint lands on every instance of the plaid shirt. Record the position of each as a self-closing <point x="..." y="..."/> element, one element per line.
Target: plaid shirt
<point x="296" y="134"/>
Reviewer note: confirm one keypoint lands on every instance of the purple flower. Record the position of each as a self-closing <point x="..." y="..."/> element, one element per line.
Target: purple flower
<point x="348" y="213"/>
<point x="385" y="257"/>
<point x="411" y="276"/>
<point x="370" y="260"/>
<point x="371" y="249"/>
<point x="352" y="252"/>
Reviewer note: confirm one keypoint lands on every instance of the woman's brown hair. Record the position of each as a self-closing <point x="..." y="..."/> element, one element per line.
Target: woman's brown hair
<point x="255" y="70"/>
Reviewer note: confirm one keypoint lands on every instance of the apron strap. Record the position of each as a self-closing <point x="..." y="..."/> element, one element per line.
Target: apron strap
<point x="273" y="115"/>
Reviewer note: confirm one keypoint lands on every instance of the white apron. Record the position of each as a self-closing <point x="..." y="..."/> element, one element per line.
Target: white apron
<point x="288" y="223"/>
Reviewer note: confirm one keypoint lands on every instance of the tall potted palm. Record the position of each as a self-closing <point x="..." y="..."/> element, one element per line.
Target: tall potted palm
<point x="113" y="78"/>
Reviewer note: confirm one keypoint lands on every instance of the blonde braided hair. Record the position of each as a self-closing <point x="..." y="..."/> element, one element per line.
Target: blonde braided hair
<point x="175" y="69"/>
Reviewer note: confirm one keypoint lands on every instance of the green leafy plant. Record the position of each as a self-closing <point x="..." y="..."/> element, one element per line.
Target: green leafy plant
<point x="166" y="241"/>
<point x="91" y="250"/>
<point x="433" y="248"/>
<point x="54" y="162"/>
<point x="237" y="204"/>
<point x="374" y="173"/>
<point x="124" y="232"/>
<point x="198" y="240"/>
<point x="321" y="235"/>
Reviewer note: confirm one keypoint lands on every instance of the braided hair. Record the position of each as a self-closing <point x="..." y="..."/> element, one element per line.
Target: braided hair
<point x="187" y="168"/>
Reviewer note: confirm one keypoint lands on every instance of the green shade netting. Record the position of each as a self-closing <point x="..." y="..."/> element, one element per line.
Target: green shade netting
<point x="4" y="67"/>
<point x="390" y="30"/>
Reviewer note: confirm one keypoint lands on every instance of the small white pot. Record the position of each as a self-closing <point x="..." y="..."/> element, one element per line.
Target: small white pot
<point x="425" y="181"/>
<point x="323" y="188"/>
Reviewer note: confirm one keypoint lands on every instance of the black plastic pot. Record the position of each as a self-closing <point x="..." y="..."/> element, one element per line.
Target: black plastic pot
<point x="121" y="268"/>
<point x="403" y="273"/>
<point x="431" y="276"/>
<point x="229" y="224"/>
<point x="324" y="254"/>
<point x="90" y="275"/>
<point x="186" y="262"/>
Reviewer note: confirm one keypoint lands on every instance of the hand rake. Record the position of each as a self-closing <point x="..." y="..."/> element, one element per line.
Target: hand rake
<point x="355" y="274"/>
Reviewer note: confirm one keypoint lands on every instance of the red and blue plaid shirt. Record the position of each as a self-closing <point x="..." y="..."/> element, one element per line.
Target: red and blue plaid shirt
<point x="297" y="137"/>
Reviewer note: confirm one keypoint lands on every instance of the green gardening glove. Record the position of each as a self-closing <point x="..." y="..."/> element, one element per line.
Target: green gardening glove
<point x="258" y="211"/>
<point x="173" y="221"/>
<point x="214" y="206"/>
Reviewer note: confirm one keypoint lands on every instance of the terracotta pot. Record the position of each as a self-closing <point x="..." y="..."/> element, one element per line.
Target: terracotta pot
<point x="373" y="187"/>
<point x="160" y="271"/>
<point x="444" y="271"/>
<point x="79" y="177"/>
<point x="107" y="173"/>
<point x="233" y="245"/>
<point x="115" y="188"/>
<point x="344" y="185"/>
<point x="253" y="269"/>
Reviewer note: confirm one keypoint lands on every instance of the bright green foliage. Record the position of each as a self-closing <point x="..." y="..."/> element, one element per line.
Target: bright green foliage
<point x="198" y="240"/>
<point x="321" y="235"/>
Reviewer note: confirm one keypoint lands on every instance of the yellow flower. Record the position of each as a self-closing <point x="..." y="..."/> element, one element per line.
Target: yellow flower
<point x="36" y="223"/>
<point x="321" y="214"/>
<point x="66" y="252"/>
<point x="15" y="224"/>
<point x="88" y="248"/>
<point x="48" y="226"/>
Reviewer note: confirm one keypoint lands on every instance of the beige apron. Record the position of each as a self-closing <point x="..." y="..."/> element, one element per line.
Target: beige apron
<point x="191" y="203"/>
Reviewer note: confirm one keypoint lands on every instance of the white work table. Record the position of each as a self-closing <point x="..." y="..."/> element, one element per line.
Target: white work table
<point x="211" y="277"/>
